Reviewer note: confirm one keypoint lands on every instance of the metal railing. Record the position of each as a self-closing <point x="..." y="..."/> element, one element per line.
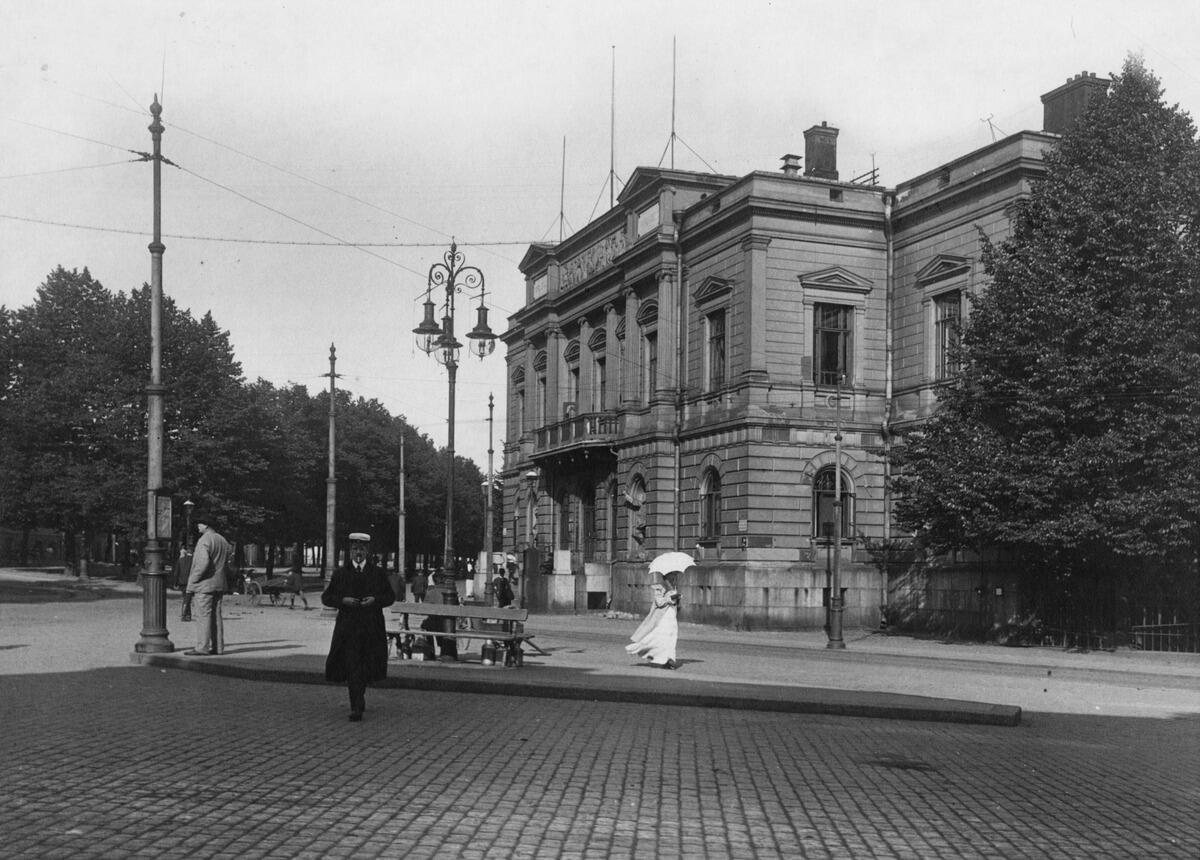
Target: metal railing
<point x="1160" y="635"/>
<point x="580" y="429"/>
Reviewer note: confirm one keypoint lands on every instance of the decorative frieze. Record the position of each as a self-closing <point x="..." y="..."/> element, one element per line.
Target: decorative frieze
<point x="599" y="256"/>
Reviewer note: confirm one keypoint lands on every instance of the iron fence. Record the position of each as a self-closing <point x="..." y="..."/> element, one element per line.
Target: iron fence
<point x="1160" y="635"/>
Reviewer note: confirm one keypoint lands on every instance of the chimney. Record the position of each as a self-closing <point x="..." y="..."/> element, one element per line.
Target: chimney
<point x="791" y="165"/>
<point x="1062" y="106"/>
<point x="820" y="151"/>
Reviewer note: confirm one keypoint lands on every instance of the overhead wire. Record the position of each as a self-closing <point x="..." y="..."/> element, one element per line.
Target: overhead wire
<point x="339" y="242"/>
<point x="328" y="188"/>
<point x="69" y="169"/>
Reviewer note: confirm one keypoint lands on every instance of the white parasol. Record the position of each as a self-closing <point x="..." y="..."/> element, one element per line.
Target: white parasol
<point x="671" y="562"/>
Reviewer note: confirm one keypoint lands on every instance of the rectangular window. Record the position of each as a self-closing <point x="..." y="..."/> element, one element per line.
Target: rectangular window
<point x="947" y="318"/>
<point x="543" y="403"/>
<point x="600" y="386"/>
<point x="716" y="350"/>
<point x="831" y="344"/>
<point x="651" y="365"/>
<point x="622" y="374"/>
<point x="647" y="220"/>
<point x="573" y="385"/>
<point x="520" y="398"/>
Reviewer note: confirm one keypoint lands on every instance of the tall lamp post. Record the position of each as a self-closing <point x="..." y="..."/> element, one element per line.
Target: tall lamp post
<point x="454" y="276"/>
<point x="837" y="606"/>
<point x="483" y="579"/>
<point x="154" y="637"/>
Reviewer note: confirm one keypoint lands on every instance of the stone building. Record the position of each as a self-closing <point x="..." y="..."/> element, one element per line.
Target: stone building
<point x="683" y="364"/>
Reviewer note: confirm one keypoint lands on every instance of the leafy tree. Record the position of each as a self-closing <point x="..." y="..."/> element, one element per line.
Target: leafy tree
<point x="66" y="412"/>
<point x="1072" y="438"/>
<point x="73" y="371"/>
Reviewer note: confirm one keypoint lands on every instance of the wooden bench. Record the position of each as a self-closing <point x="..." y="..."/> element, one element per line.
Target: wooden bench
<point x="485" y="622"/>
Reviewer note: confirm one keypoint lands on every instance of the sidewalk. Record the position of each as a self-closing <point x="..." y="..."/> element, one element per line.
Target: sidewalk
<point x="876" y="675"/>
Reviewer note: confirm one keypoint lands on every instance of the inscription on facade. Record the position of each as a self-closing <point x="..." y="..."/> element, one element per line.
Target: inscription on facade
<point x="582" y="266"/>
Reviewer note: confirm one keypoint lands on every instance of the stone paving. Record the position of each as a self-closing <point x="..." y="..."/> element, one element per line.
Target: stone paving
<point x="99" y="758"/>
<point x="164" y="763"/>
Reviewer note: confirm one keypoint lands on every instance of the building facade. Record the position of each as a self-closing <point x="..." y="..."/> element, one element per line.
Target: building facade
<point x="683" y="364"/>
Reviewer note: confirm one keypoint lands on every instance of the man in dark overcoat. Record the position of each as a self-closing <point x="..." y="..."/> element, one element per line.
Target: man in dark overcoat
<point x="359" y="591"/>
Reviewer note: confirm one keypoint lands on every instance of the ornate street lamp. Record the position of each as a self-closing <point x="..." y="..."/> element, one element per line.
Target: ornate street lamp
<point x="154" y="637"/>
<point x="439" y="341"/>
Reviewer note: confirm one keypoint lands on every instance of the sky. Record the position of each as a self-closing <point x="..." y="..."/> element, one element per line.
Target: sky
<point x="326" y="154"/>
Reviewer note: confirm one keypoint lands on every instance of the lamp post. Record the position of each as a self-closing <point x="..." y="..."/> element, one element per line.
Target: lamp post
<point x="836" y="604"/>
<point x="454" y="276"/>
<point x="531" y="478"/>
<point x="483" y="577"/>
<point x="187" y="524"/>
<point x="154" y="637"/>
<point x="827" y="538"/>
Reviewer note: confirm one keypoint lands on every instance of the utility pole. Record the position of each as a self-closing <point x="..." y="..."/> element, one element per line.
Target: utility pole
<point x="485" y="571"/>
<point x="400" y="525"/>
<point x="154" y="638"/>
<point x="331" y="482"/>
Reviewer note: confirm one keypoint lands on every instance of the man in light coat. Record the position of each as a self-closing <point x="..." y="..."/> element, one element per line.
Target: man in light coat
<point x="206" y="584"/>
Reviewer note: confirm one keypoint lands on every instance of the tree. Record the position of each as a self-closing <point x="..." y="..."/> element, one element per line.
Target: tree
<point x="1072" y="438"/>
<point x="73" y="372"/>
<point x="66" y="414"/>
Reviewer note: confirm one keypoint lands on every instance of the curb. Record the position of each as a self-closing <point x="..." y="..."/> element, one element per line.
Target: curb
<point x="549" y="683"/>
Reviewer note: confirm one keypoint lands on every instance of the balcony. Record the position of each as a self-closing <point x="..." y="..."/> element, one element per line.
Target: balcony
<point x="592" y="429"/>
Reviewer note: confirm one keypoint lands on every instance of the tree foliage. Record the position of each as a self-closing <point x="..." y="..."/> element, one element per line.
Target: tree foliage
<point x="73" y="370"/>
<point x="1073" y="434"/>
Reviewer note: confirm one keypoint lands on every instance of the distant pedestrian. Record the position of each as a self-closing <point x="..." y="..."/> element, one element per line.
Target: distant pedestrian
<point x="358" y="651"/>
<point x="657" y="635"/>
<point x="206" y="584"/>
<point x="183" y="568"/>
<point x="501" y="590"/>
<point x="420" y="585"/>
<point x="295" y="586"/>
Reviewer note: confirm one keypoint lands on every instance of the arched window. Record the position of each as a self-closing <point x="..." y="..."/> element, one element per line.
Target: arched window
<point x="710" y="505"/>
<point x="824" y="490"/>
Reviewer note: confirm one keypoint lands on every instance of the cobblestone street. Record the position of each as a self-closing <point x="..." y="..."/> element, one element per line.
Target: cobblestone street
<point x="136" y="761"/>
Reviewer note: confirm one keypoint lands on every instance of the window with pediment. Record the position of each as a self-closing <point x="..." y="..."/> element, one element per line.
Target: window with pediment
<point x="944" y="282"/>
<point x="835" y="301"/>
<point x="712" y="297"/>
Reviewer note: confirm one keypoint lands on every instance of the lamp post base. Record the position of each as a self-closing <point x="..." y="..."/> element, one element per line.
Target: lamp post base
<point x="155" y="639"/>
<point x="836" y="610"/>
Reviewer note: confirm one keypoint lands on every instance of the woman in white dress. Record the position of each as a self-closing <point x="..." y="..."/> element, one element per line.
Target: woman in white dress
<point x="656" y="636"/>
